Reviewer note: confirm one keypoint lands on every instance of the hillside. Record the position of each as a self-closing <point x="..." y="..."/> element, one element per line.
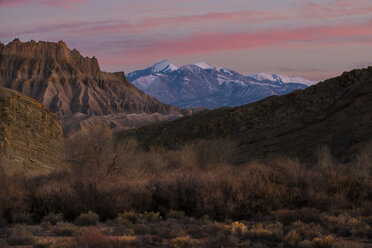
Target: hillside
<point x="204" y="85"/>
<point x="74" y="87"/>
<point x="31" y="137"/>
<point x="334" y="113"/>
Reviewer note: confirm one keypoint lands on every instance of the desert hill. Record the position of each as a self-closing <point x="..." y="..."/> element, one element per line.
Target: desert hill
<point x="335" y="113"/>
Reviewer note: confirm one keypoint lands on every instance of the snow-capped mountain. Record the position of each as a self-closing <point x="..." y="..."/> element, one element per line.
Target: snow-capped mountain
<point x="204" y="85"/>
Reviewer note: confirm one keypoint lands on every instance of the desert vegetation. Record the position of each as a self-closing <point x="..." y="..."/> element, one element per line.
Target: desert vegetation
<point x="118" y="195"/>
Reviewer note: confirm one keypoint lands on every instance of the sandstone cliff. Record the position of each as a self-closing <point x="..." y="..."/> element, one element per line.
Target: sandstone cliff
<point x="70" y="84"/>
<point x="336" y="113"/>
<point x="31" y="137"/>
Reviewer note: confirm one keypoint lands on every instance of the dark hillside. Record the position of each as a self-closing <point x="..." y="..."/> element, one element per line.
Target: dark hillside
<point x="336" y="113"/>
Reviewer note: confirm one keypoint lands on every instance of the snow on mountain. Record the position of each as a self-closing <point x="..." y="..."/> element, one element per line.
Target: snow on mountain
<point x="282" y="79"/>
<point x="204" y="85"/>
<point x="204" y="65"/>
<point x="164" y="65"/>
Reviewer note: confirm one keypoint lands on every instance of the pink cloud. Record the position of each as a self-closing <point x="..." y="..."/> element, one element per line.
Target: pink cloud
<point x="204" y="43"/>
<point x="53" y="3"/>
<point x="156" y="24"/>
<point x="340" y="8"/>
<point x="64" y="3"/>
<point x="12" y="3"/>
<point x="152" y="24"/>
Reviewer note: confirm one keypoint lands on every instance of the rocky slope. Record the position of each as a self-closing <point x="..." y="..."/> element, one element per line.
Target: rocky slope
<point x="336" y="113"/>
<point x="204" y="85"/>
<point x="31" y="137"/>
<point x="72" y="85"/>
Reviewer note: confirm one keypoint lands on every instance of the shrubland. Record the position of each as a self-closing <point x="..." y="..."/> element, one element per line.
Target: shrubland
<point x="178" y="198"/>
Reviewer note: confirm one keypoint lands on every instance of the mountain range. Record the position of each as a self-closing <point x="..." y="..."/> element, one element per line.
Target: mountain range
<point x="204" y="85"/>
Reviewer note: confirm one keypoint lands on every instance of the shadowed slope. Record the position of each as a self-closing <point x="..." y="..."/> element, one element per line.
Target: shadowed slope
<point x="336" y="113"/>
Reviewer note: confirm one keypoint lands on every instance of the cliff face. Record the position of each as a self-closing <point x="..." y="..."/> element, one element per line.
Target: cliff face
<point x="336" y="113"/>
<point x="31" y="136"/>
<point x="68" y="83"/>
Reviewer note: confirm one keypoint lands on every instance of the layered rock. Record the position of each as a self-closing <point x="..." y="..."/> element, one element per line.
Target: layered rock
<point x="31" y="138"/>
<point x="335" y="113"/>
<point x="70" y="84"/>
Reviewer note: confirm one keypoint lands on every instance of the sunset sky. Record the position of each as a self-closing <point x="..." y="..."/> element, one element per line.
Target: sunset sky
<point x="314" y="39"/>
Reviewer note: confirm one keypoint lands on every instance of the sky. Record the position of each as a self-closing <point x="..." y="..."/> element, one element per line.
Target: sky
<point x="315" y="39"/>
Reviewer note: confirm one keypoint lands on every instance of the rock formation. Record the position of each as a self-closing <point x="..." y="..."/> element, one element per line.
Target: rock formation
<point x="72" y="85"/>
<point x="336" y="113"/>
<point x="31" y="138"/>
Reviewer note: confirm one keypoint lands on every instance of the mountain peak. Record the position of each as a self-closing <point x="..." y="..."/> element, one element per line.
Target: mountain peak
<point x="164" y="65"/>
<point x="204" y="65"/>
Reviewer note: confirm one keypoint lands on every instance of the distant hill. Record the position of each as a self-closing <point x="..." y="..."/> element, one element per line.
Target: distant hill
<point x="335" y="113"/>
<point x="204" y="85"/>
<point x="74" y="87"/>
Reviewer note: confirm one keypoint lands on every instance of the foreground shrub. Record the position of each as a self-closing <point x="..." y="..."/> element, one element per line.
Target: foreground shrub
<point x="369" y="220"/>
<point x="151" y="217"/>
<point x="46" y="226"/>
<point x="170" y="231"/>
<point x="141" y="229"/>
<point x="324" y="242"/>
<point x="176" y="214"/>
<point x="182" y="242"/>
<point x="196" y="230"/>
<point x="305" y="244"/>
<point x="87" y="219"/>
<point x="271" y="232"/>
<point x="361" y="230"/>
<point x="342" y="225"/>
<point x="300" y="232"/>
<point x="127" y="240"/>
<point x="239" y="229"/>
<point x="131" y="217"/>
<point x="292" y="238"/>
<point x="306" y="215"/>
<point x="20" y="235"/>
<point x="3" y="244"/>
<point x="218" y="229"/>
<point x="307" y="231"/>
<point x="127" y="217"/>
<point x="43" y="244"/>
<point x="53" y="218"/>
<point x="64" y="229"/>
<point x="12" y="197"/>
<point x="222" y="240"/>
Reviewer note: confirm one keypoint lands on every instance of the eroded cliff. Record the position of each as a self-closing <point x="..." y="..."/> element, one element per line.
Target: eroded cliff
<point x="31" y="138"/>
<point x="74" y="87"/>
